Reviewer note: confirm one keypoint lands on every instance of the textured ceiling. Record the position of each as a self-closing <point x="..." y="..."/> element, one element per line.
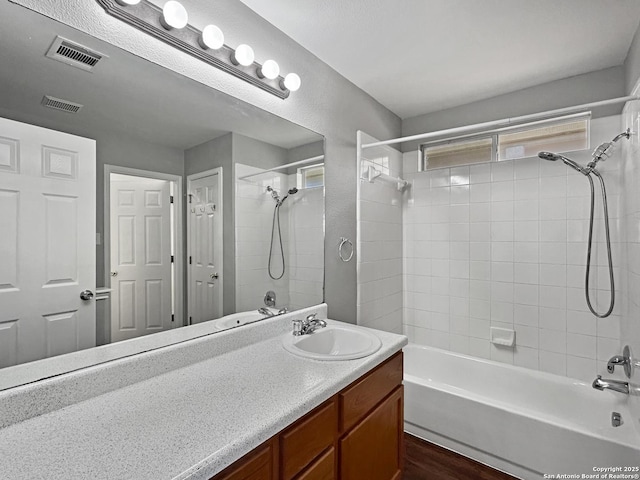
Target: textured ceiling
<point x="420" y="56"/>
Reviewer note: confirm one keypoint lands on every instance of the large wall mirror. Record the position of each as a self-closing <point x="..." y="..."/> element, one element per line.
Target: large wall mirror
<point x="201" y="208"/>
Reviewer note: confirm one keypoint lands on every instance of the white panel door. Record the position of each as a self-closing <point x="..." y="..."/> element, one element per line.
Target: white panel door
<point x="141" y="292"/>
<point x="205" y="249"/>
<point x="47" y="242"/>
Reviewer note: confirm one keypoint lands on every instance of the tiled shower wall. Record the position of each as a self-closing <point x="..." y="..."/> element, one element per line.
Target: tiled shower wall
<point x="504" y="245"/>
<point x="630" y="325"/>
<point x="380" y="242"/>
<point x="302" y="227"/>
<point x="253" y="220"/>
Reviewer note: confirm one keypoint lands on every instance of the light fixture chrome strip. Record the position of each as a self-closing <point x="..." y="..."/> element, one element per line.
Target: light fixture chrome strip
<point x="146" y="16"/>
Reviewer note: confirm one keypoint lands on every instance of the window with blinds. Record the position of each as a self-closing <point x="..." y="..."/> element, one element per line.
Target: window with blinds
<point x="312" y="176"/>
<point x="556" y="135"/>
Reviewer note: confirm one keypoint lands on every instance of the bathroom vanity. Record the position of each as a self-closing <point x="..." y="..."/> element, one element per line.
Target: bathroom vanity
<point x="234" y="405"/>
<point x="356" y="434"/>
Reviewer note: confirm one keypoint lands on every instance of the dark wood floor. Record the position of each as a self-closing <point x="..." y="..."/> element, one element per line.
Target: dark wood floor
<point x="426" y="461"/>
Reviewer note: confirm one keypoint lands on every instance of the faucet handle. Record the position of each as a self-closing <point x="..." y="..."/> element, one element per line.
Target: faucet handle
<point x="297" y="327"/>
<point x="311" y="317"/>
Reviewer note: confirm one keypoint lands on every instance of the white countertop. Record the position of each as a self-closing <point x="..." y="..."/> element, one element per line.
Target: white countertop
<point x="189" y="423"/>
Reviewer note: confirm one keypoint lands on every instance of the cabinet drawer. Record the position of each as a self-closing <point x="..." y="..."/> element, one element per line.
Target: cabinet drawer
<point x="366" y="393"/>
<point x="374" y="448"/>
<point x="322" y="469"/>
<point x="304" y="441"/>
<point x="257" y="465"/>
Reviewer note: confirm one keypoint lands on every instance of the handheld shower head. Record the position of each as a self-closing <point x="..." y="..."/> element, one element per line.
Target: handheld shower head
<point x="293" y="191"/>
<point x="567" y="161"/>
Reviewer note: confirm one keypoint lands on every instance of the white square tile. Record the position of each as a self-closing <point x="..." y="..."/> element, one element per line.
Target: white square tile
<point x="553" y="209"/>
<point x="607" y="348"/>
<point x="480" y="231"/>
<point x="459" y="232"/>
<point x="555" y="275"/>
<point x="480" y="173"/>
<point x="501" y="292"/>
<point x="480" y="309"/>
<point x="502" y="251"/>
<point x="502" y="312"/>
<point x="581" y="322"/>
<point x="459" y="287"/>
<point x="581" y="345"/>
<point x="552" y="318"/>
<point x="480" y="212"/>
<point x="551" y="362"/>
<point x="480" y="192"/>
<point x="526" y="336"/>
<point x="459" y="268"/>
<point x="459" y="343"/>
<point x="502" y="354"/>
<point x="553" y="231"/>
<point x="555" y="297"/>
<point x="502" y="231"/>
<point x="440" y="178"/>
<point x="526" y="231"/>
<point x="526" y="210"/>
<point x="459" y="195"/>
<point x="553" y="253"/>
<point x="501" y="171"/>
<point x="459" y="325"/>
<point x="460" y="175"/>
<point x="526" y="273"/>
<point x="459" y="250"/>
<point x="502" y="271"/>
<point x="525" y="294"/>
<point x="480" y="250"/>
<point x="525" y="315"/>
<point x="526" y="357"/>
<point x="502" y="211"/>
<point x="526" y="252"/>
<point x="502" y="191"/>
<point x="459" y="213"/>
<point x="526" y="189"/>
<point x="555" y="187"/>
<point x="480" y="289"/>
<point x="480" y="270"/>
<point x="584" y="369"/>
<point x="526" y="168"/>
<point x="553" y="341"/>
<point x="479" y="348"/>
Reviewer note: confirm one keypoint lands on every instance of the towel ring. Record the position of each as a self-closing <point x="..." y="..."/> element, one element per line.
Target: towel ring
<point x="345" y="241"/>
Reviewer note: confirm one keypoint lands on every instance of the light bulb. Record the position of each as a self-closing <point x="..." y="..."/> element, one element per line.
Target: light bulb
<point x="270" y="70"/>
<point x="174" y="15"/>
<point x="127" y="3"/>
<point x="291" y="82"/>
<point x="243" y="55"/>
<point x="212" y="37"/>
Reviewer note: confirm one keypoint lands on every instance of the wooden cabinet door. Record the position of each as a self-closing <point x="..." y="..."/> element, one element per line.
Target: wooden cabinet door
<point x="374" y="449"/>
<point x="257" y="465"/>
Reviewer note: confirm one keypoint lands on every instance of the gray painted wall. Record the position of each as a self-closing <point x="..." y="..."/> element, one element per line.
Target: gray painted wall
<point x="212" y="154"/>
<point x="590" y="87"/>
<point x="256" y="153"/>
<point x="327" y="103"/>
<point x="632" y="64"/>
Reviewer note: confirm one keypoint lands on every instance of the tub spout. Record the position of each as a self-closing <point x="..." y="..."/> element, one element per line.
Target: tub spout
<point x="615" y="385"/>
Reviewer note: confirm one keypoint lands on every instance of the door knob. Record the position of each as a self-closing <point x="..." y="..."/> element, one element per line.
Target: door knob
<point x="86" y="295"/>
<point x="114" y="274"/>
<point x="214" y="275"/>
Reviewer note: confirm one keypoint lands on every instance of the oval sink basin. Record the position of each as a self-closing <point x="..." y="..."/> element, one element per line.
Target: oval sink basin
<point x="333" y="342"/>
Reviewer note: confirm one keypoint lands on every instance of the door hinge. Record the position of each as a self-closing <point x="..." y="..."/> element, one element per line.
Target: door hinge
<point x="173" y="317"/>
<point x="171" y="199"/>
<point x="172" y="259"/>
<point x="189" y="259"/>
<point x="190" y="198"/>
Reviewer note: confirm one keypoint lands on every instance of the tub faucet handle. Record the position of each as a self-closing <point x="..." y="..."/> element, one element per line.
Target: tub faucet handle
<point x="625" y="360"/>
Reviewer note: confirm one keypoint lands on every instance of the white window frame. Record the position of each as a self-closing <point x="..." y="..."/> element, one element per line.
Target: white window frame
<point x="495" y="133"/>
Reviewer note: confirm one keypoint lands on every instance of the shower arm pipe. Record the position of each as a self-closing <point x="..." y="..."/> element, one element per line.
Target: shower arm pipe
<point x="281" y="167"/>
<point x="505" y="122"/>
<point x="372" y="174"/>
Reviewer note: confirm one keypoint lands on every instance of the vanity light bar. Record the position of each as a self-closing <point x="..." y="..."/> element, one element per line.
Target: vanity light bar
<point x="170" y="24"/>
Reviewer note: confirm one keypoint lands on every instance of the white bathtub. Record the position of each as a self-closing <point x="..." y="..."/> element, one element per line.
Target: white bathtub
<point x="520" y="421"/>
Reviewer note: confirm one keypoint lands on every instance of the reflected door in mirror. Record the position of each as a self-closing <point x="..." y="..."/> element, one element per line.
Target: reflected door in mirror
<point x="140" y="256"/>
<point x="205" y="247"/>
<point x="47" y="252"/>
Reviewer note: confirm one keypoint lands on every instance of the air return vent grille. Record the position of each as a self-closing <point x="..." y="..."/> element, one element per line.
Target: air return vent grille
<point x="73" y="54"/>
<point x="59" y="104"/>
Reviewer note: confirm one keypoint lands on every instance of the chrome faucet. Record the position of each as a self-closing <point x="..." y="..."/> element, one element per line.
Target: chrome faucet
<point x="615" y="385"/>
<point x="266" y="311"/>
<point x="310" y="325"/>
<point x="625" y="360"/>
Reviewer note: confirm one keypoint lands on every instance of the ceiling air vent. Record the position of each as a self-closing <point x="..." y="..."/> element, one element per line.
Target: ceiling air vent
<point x="73" y="54"/>
<point x="59" y="104"/>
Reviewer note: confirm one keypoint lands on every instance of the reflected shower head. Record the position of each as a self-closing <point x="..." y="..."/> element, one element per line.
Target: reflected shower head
<point x="555" y="157"/>
<point x="293" y="191"/>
